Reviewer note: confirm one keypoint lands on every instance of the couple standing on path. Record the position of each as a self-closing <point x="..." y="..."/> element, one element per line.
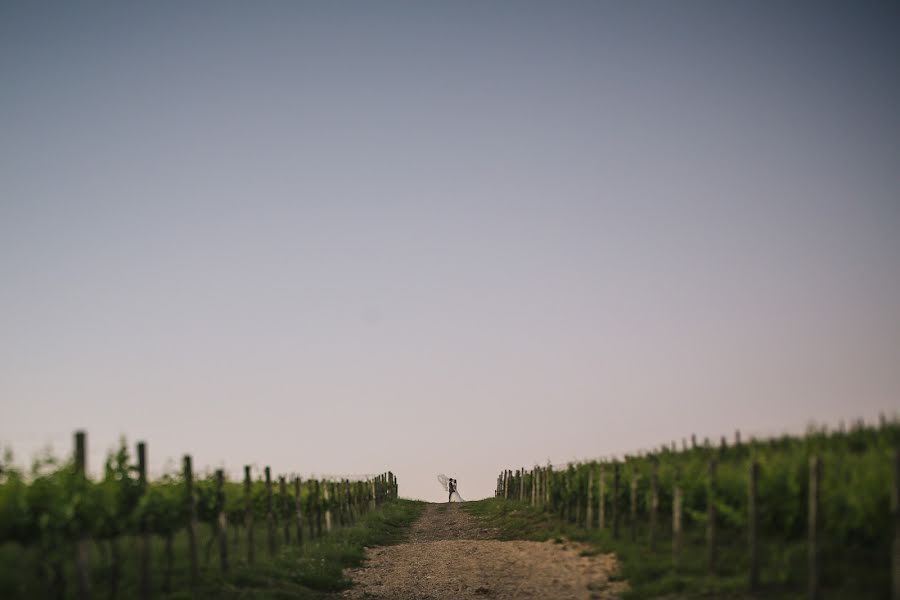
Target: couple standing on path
<point x="450" y="487"/>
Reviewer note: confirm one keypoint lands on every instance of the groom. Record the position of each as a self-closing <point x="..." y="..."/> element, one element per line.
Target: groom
<point x="451" y="487"/>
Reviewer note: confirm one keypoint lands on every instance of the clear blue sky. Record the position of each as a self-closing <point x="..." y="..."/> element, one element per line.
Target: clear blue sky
<point x="444" y="237"/>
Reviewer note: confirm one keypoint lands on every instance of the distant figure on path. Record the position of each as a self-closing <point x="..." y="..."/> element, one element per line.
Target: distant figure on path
<point x="450" y="485"/>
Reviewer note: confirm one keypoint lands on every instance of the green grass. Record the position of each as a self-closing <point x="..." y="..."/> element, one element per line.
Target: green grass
<point x="650" y="574"/>
<point x="314" y="570"/>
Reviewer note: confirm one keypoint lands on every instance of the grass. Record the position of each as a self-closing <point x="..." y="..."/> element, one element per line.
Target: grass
<point x="312" y="571"/>
<point x="650" y="574"/>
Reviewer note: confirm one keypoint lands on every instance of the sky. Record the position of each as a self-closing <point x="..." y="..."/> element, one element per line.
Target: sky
<point x="342" y="238"/>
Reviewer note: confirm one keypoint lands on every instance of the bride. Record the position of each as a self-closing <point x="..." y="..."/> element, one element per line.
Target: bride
<point x="449" y="485"/>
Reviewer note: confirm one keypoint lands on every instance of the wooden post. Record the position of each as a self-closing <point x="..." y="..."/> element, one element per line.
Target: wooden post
<point x="615" y="499"/>
<point x="711" y="518"/>
<point x="326" y="488"/>
<point x="283" y="509"/>
<point x="752" y="525"/>
<point x="601" y="499"/>
<point x="221" y="520"/>
<point x="248" y="514"/>
<point x="654" y="503"/>
<point x="188" y="471"/>
<point x="298" y="508"/>
<point x="895" y="511"/>
<point x="589" y="512"/>
<point x="693" y="441"/>
<point x="633" y="524"/>
<point x="549" y="486"/>
<point x="318" y="504"/>
<point x="522" y="484"/>
<point x="145" y="551"/>
<point x="815" y="482"/>
<point x="677" y="535"/>
<point x="270" y="516"/>
<point x="82" y="550"/>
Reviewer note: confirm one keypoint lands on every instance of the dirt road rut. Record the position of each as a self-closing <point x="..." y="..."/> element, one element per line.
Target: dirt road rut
<point x="450" y="554"/>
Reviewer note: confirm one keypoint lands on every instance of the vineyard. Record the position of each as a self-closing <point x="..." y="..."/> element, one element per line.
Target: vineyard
<point x="65" y="535"/>
<point x="813" y="516"/>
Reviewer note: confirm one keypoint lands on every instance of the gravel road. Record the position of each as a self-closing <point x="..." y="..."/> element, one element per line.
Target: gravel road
<point x="450" y="554"/>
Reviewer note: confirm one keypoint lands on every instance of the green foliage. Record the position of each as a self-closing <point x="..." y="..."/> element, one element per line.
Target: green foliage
<point x="46" y="510"/>
<point x="856" y="526"/>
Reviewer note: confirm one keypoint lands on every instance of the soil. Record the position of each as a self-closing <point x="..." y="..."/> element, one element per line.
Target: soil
<point x="451" y="554"/>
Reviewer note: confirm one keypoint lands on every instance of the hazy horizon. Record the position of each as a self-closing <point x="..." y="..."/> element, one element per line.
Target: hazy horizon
<point x="444" y="238"/>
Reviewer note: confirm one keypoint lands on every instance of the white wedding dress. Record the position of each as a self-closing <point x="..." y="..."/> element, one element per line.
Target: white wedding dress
<point x="445" y="482"/>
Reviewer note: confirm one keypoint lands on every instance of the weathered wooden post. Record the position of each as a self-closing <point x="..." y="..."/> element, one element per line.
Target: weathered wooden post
<point x="145" y="552"/>
<point x="298" y="510"/>
<point x="633" y="524"/>
<point x="188" y="469"/>
<point x="326" y="489"/>
<point x="895" y="511"/>
<point x="677" y="535"/>
<point x="222" y="520"/>
<point x="270" y="516"/>
<point x="248" y="514"/>
<point x="654" y="502"/>
<point x="589" y="511"/>
<point x="815" y="482"/>
<point x="533" y="496"/>
<point x="283" y="510"/>
<point x="318" y="504"/>
<point x="522" y="484"/>
<point x="601" y="499"/>
<point x="711" y="518"/>
<point x="82" y="550"/>
<point x="549" y="486"/>
<point x="615" y="499"/>
<point x="752" y="525"/>
<point x="693" y="441"/>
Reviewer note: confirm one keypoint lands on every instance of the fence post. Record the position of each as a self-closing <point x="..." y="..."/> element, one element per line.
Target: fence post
<point x="221" y="520"/>
<point x="615" y="499"/>
<point x="248" y="514"/>
<point x="677" y="539"/>
<point x="633" y="524"/>
<point x="531" y="487"/>
<point x="326" y="487"/>
<point x="601" y="499"/>
<point x="522" y="484"/>
<point x="145" y="537"/>
<point x="753" y="524"/>
<point x="815" y="482"/>
<point x="549" y="486"/>
<point x="283" y="509"/>
<point x="298" y="509"/>
<point x="318" y="504"/>
<point x="895" y="510"/>
<point x="711" y="518"/>
<point x="188" y="470"/>
<point x="589" y="511"/>
<point x="82" y="551"/>
<point x="654" y="502"/>
<point x="270" y="517"/>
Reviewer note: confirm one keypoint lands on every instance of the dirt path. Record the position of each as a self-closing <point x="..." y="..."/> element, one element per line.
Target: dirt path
<point x="450" y="554"/>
